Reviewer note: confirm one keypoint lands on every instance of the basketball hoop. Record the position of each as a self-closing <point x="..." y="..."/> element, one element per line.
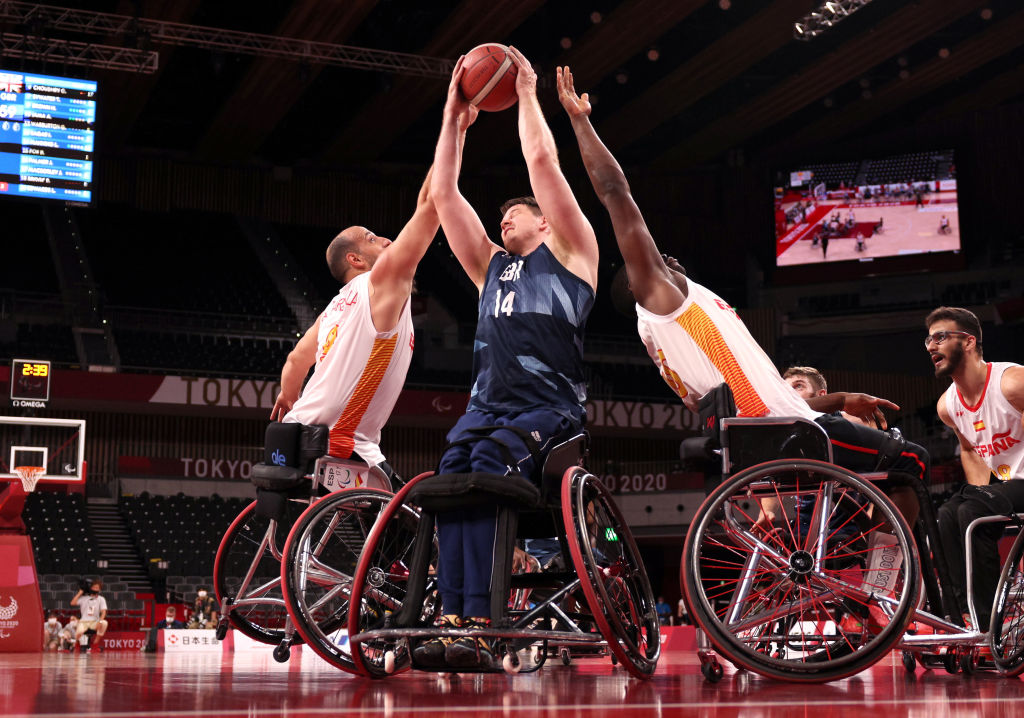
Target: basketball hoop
<point x="30" y="476"/>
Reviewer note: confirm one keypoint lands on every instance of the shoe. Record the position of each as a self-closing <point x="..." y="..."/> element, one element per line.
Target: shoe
<point x="431" y="653"/>
<point x="856" y="625"/>
<point x="471" y="652"/>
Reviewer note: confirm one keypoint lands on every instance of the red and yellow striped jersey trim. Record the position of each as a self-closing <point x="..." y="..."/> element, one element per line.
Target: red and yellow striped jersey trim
<point x="342" y="442"/>
<point x="703" y="331"/>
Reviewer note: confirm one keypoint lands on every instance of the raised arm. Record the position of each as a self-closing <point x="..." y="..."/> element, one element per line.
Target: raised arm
<point x="462" y="227"/>
<point x="572" y="236"/>
<point x="649" y="278"/>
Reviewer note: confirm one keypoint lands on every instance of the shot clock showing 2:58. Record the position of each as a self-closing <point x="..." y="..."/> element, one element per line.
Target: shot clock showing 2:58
<point x="30" y="383"/>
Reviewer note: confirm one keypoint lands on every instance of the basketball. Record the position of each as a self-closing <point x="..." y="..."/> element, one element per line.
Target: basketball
<point x="489" y="78"/>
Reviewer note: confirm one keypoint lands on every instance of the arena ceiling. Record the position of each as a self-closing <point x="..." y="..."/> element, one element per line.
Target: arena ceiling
<point x="729" y="82"/>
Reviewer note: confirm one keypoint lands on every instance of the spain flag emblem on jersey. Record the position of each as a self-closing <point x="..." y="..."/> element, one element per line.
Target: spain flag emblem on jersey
<point x="979" y="425"/>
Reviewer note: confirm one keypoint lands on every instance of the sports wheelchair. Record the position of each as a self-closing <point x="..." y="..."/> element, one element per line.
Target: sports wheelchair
<point x="830" y="584"/>
<point x="296" y="473"/>
<point x="605" y="602"/>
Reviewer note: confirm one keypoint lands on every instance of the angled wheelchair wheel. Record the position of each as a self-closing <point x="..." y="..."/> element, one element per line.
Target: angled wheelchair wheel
<point x="321" y="554"/>
<point x="381" y="582"/>
<point x="1007" y="627"/>
<point x="611" y="572"/>
<point x="247" y="570"/>
<point x="819" y="593"/>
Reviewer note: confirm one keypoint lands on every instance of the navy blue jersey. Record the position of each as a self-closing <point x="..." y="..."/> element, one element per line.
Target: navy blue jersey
<point x="528" y="352"/>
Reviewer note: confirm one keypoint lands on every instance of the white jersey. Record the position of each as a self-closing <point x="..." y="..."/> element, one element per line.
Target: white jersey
<point x="992" y="425"/>
<point x="704" y="343"/>
<point x="359" y="373"/>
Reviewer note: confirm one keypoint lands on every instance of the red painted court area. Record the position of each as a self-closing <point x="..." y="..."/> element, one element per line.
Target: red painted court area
<point x="252" y="684"/>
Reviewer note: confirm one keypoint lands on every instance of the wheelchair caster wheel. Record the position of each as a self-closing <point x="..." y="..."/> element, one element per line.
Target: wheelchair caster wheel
<point x="564" y="655"/>
<point x="615" y="659"/>
<point x="712" y="671"/>
<point x="511" y="663"/>
<point x="389" y="662"/>
<point x="968" y="661"/>
<point x="282" y="651"/>
<point x="535" y="655"/>
<point x="951" y="662"/>
<point x="222" y="629"/>
<point x="909" y="662"/>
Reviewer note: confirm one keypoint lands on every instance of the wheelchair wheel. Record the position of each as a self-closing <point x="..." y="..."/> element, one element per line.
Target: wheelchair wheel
<point x="321" y="554"/>
<point x="1007" y="627"/>
<point x="380" y="583"/>
<point x="611" y="573"/>
<point x="249" y="545"/>
<point x="820" y="593"/>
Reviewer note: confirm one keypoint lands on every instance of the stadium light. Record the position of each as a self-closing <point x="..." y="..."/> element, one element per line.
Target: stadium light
<point x="827" y="15"/>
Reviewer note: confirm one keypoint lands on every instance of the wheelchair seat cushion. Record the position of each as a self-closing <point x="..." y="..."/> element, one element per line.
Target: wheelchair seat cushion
<point x="447" y="492"/>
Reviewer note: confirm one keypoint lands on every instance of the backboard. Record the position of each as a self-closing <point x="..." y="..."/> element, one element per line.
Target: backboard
<point x="58" y="445"/>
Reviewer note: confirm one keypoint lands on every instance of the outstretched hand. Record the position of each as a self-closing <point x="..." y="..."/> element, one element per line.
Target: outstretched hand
<point x="526" y="77"/>
<point x="456" y="105"/>
<point x="868" y="408"/>
<point x="574" y="105"/>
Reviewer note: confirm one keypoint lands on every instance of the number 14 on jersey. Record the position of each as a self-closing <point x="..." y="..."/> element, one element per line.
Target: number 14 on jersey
<point x="503" y="306"/>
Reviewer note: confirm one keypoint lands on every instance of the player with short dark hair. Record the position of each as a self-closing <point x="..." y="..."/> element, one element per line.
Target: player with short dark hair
<point x="536" y="292"/>
<point x="984" y="406"/>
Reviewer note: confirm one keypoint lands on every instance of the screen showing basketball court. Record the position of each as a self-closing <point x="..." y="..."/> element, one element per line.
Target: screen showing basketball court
<point x="868" y="209"/>
<point x="47" y="136"/>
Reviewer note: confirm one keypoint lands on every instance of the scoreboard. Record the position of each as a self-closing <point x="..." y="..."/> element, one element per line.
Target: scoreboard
<point x="47" y="136"/>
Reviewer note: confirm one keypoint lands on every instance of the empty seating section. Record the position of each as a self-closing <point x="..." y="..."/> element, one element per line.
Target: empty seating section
<point x="212" y="355"/>
<point x="52" y="341"/>
<point x="156" y="525"/>
<point x="61" y="535"/>
<point x="916" y="167"/>
<point x="308" y="245"/>
<point x="25" y="234"/>
<point x="191" y="261"/>
<point x="833" y="174"/>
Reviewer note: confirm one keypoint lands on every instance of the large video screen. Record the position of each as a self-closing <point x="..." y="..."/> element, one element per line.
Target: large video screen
<point x="867" y="210"/>
<point x="47" y="136"/>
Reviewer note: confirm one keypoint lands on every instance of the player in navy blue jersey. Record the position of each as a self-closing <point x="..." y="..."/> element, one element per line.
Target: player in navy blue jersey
<point x="535" y="295"/>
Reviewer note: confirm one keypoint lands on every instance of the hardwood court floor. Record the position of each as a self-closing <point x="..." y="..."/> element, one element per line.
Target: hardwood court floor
<point x="251" y="684"/>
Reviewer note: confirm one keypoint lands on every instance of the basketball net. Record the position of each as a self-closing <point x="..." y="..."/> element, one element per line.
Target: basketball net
<point x="29" y="475"/>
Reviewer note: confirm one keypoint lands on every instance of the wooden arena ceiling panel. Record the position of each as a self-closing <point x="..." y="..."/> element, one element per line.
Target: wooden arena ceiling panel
<point x="270" y="88"/>
<point x="970" y="54"/>
<point x="629" y="29"/>
<point x="709" y="70"/>
<point x="387" y="115"/>
<point x="899" y="31"/>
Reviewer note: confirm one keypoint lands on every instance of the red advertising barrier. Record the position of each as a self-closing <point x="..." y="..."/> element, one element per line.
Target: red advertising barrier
<point x="21" y="609"/>
<point x="678" y="638"/>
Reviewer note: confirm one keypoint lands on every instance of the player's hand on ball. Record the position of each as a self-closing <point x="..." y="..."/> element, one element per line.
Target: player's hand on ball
<point x="575" y="105"/>
<point x="456" y="104"/>
<point x="526" y="79"/>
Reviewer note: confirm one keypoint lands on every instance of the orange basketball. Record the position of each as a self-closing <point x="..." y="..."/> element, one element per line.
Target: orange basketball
<point x="489" y="78"/>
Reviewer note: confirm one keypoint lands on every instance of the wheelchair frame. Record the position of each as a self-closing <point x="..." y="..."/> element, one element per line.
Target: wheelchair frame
<point x="327" y="473"/>
<point x="952" y="646"/>
<point x="383" y="631"/>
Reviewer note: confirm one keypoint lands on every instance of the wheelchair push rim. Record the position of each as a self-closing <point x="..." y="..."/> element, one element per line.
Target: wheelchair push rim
<point x="321" y="554"/>
<point x="797" y="599"/>
<point x="611" y="573"/>
<point x="1007" y="626"/>
<point x="386" y="556"/>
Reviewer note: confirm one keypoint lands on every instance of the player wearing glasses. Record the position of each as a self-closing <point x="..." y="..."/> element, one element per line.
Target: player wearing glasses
<point x="983" y="406"/>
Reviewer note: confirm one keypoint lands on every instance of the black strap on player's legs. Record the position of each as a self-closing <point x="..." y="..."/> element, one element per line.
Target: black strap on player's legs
<point x="891" y="449"/>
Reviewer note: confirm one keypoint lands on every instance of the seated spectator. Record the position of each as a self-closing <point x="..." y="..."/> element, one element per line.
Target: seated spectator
<point x="51" y="632"/>
<point x="170" y="619"/>
<point x="664" y="611"/>
<point x="68" y="635"/>
<point x="204" y="611"/>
